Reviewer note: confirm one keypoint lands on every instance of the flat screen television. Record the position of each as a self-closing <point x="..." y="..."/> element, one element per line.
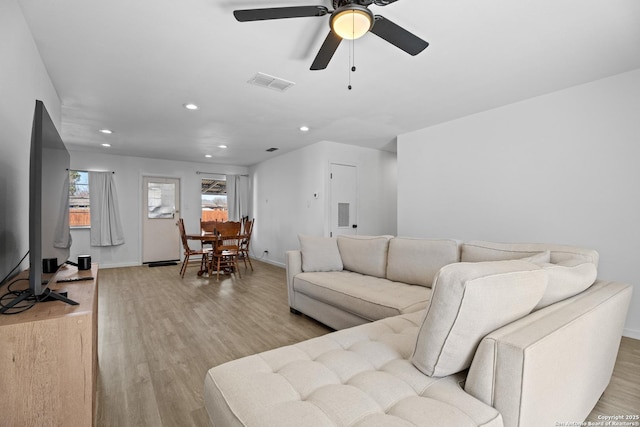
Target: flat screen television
<point x="48" y="207"/>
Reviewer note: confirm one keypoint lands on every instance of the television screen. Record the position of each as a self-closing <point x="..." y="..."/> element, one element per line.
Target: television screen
<point x="49" y="235"/>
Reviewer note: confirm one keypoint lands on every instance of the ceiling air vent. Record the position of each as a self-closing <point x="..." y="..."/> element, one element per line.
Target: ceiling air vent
<point x="271" y="149"/>
<point x="270" y="82"/>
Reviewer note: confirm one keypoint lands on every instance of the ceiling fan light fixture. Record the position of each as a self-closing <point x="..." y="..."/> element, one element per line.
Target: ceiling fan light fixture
<point x="351" y="22"/>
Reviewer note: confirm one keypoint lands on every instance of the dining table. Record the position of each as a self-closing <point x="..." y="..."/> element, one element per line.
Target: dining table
<point x="209" y="238"/>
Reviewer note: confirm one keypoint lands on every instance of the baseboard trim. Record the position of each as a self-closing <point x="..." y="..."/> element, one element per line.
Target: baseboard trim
<point x="277" y="264"/>
<point x="631" y="333"/>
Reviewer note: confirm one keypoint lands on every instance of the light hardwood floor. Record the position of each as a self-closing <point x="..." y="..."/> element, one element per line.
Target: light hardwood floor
<point x="622" y="397"/>
<point x="159" y="334"/>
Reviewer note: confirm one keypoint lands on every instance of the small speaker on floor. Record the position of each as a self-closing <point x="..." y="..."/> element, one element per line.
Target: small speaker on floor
<point x="49" y="265"/>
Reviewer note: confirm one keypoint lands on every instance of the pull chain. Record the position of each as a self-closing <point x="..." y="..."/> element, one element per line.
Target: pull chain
<point x="352" y="68"/>
<point x="352" y="50"/>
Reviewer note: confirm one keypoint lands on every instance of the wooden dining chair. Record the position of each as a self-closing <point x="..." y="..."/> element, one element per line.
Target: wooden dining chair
<point x="226" y="248"/>
<point x="247" y="229"/>
<point x="208" y="227"/>
<point x="203" y="253"/>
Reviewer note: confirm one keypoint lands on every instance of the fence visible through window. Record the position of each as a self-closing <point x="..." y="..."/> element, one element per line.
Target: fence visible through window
<point x="79" y="202"/>
<point x="214" y="200"/>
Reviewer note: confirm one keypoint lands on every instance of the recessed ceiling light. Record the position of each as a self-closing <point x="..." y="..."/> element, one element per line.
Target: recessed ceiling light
<point x="208" y="156"/>
<point x="222" y="146"/>
<point x="191" y="106"/>
<point x="107" y="131"/>
<point x="304" y="128"/>
<point x="106" y="145"/>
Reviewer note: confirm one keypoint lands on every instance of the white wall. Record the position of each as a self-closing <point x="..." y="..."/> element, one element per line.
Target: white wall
<point x="560" y="168"/>
<point x="23" y="79"/>
<point x="283" y="202"/>
<point x="128" y="181"/>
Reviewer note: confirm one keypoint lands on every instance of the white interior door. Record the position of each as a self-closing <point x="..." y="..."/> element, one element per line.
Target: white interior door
<point x="344" y="199"/>
<point x="160" y="212"/>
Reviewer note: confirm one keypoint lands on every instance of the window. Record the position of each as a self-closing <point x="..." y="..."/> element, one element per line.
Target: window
<point x="214" y="200"/>
<point x="79" y="206"/>
<point x="161" y="198"/>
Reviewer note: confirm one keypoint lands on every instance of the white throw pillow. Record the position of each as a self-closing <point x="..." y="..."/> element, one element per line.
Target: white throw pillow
<point x="469" y="300"/>
<point x="566" y="279"/>
<point x="476" y="250"/>
<point x="539" y="258"/>
<point x="319" y="254"/>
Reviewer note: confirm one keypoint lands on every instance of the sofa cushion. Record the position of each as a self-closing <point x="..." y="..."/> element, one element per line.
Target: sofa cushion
<point x="320" y="253"/>
<point x="566" y="279"/>
<point x="474" y="251"/>
<point x="416" y="261"/>
<point x="365" y="254"/>
<point x="355" y="377"/>
<point x="369" y="297"/>
<point x="539" y="259"/>
<point x="469" y="300"/>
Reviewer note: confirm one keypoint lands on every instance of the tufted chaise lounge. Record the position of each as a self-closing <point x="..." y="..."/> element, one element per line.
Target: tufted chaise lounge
<point x="360" y="376"/>
<point x="476" y="356"/>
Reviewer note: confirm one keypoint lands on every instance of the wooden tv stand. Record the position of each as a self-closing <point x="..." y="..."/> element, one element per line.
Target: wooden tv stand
<point x="49" y="357"/>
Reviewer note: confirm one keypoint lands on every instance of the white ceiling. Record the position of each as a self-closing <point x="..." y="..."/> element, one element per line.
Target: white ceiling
<point x="131" y="65"/>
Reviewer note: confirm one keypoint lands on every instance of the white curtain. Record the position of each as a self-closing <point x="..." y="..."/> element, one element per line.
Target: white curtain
<point x="237" y="196"/>
<point x="106" y="228"/>
<point x="62" y="237"/>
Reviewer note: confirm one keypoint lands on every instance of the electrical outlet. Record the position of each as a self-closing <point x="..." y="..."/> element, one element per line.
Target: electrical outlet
<point x="266" y="252"/>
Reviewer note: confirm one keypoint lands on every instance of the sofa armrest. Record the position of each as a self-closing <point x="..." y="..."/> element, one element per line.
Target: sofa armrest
<point x="554" y="364"/>
<point x="293" y="264"/>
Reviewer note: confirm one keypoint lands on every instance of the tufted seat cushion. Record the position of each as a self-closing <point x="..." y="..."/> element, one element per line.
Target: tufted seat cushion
<point x="360" y="376"/>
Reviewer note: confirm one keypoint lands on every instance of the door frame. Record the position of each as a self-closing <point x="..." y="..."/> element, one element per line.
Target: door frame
<point x="141" y="178"/>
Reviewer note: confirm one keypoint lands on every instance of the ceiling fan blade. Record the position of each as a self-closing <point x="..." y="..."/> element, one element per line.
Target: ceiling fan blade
<point x="398" y="36"/>
<point x="326" y="51"/>
<point x="279" y="13"/>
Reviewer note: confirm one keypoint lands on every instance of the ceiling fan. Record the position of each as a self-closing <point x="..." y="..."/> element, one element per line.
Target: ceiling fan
<point x="350" y="20"/>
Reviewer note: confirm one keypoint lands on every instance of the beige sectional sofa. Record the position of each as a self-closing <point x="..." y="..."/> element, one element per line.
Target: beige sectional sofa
<point x="353" y="280"/>
<point x="470" y="334"/>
